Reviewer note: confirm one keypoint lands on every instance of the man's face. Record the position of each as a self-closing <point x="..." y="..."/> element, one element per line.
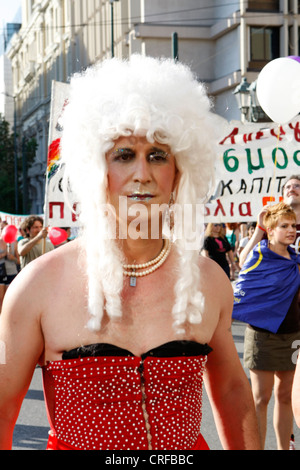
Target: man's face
<point x="35" y="229"/>
<point x="291" y="192"/>
<point x="140" y="171"/>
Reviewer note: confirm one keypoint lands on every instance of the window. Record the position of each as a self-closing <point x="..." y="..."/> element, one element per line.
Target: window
<point x="263" y="5"/>
<point x="293" y="7"/>
<point x="264" y="46"/>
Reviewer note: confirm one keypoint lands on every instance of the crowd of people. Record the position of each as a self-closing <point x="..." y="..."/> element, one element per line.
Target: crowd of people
<point x="266" y="298"/>
<point x="134" y="310"/>
<point x="261" y="263"/>
<point x="31" y="241"/>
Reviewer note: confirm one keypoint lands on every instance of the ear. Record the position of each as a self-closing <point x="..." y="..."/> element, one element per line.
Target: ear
<point x="270" y="232"/>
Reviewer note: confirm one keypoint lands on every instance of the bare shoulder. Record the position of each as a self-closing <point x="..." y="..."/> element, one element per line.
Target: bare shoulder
<point x="217" y="289"/>
<point x="56" y="259"/>
<point x="218" y="294"/>
<point x="42" y="275"/>
<point x="43" y="301"/>
<point x="214" y="279"/>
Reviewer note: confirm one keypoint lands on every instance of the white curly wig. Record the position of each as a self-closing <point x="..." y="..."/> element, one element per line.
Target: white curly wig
<point x="159" y="99"/>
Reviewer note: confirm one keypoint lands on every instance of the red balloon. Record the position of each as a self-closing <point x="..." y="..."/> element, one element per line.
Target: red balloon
<point x="57" y="235"/>
<point x="9" y="233"/>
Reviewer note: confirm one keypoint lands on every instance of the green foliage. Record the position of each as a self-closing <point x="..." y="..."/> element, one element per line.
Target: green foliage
<point x="7" y="165"/>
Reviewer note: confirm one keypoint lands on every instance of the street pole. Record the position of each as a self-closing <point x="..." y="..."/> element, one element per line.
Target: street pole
<point x="16" y="159"/>
<point x="112" y="27"/>
<point x="24" y="172"/>
<point x="175" y="46"/>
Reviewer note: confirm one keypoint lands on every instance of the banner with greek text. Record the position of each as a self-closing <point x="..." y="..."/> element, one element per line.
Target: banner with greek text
<point x="253" y="162"/>
<point x="12" y="219"/>
<point x="58" y="211"/>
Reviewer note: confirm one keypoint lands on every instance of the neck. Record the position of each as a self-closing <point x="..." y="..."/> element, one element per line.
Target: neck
<point x="296" y="209"/>
<point x="141" y="251"/>
<point x="279" y="248"/>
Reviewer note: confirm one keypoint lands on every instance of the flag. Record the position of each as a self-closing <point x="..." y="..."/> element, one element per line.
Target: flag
<point x="53" y="158"/>
<point x="266" y="287"/>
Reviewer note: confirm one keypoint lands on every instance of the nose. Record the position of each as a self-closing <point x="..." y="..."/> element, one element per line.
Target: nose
<point x="142" y="170"/>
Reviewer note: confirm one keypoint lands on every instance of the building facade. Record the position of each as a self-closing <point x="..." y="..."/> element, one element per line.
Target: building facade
<point x="222" y="40"/>
<point x="6" y="81"/>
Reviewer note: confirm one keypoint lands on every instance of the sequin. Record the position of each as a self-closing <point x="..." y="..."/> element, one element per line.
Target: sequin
<point x="112" y="403"/>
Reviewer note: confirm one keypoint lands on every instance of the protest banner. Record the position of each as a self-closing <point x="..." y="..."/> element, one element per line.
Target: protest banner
<point x="254" y="160"/>
<point x="58" y="212"/>
<point x="12" y="219"/>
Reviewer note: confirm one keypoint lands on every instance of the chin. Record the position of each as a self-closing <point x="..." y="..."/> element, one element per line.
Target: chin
<point x="293" y="200"/>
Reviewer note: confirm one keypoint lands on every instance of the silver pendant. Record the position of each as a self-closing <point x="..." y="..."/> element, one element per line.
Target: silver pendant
<point x="132" y="281"/>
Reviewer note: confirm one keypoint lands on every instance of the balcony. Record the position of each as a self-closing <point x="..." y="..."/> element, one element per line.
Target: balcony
<point x="29" y="71"/>
<point x="264" y="5"/>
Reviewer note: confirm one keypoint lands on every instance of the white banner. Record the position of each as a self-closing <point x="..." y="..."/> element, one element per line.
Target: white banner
<point x="254" y="161"/>
<point x="58" y="212"/>
<point x="12" y="219"/>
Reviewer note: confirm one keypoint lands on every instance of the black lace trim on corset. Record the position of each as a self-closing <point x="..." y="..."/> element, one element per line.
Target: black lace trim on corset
<point x="170" y="349"/>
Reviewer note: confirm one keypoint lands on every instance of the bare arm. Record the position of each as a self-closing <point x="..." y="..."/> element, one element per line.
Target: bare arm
<point x="4" y="248"/>
<point x="233" y="265"/>
<point x="27" y="247"/>
<point x="22" y="345"/>
<point x="256" y="237"/>
<point x="228" y="387"/>
<point x="296" y="393"/>
<point x="13" y="257"/>
<point x="230" y="256"/>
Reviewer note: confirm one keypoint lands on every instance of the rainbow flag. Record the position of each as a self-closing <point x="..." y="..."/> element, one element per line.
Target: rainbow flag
<point x="53" y="158"/>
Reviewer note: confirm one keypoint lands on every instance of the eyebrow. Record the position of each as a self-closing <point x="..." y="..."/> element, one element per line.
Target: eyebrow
<point x="121" y="149"/>
<point x="157" y="149"/>
<point x="129" y="149"/>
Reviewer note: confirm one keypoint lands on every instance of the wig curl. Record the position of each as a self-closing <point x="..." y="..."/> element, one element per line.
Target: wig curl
<point x="159" y="99"/>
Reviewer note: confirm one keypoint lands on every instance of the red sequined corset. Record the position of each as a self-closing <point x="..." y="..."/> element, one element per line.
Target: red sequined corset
<point x="104" y="397"/>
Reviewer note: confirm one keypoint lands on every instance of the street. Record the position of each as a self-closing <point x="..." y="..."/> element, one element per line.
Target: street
<point x="31" y="431"/>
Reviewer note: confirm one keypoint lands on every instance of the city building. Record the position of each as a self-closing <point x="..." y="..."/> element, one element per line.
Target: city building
<point x="224" y="41"/>
<point x="6" y="80"/>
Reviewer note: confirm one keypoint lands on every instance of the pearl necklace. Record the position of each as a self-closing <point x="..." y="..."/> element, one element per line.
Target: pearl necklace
<point x="148" y="267"/>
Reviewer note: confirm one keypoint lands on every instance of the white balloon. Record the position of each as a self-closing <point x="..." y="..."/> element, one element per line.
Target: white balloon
<point x="278" y="89"/>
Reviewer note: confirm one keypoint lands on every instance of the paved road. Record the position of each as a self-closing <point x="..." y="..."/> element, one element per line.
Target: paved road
<point x="32" y="426"/>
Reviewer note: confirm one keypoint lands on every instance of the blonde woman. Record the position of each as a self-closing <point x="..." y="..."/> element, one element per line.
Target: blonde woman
<point x="266" y="297"/>
<point x="217" y="247"/>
